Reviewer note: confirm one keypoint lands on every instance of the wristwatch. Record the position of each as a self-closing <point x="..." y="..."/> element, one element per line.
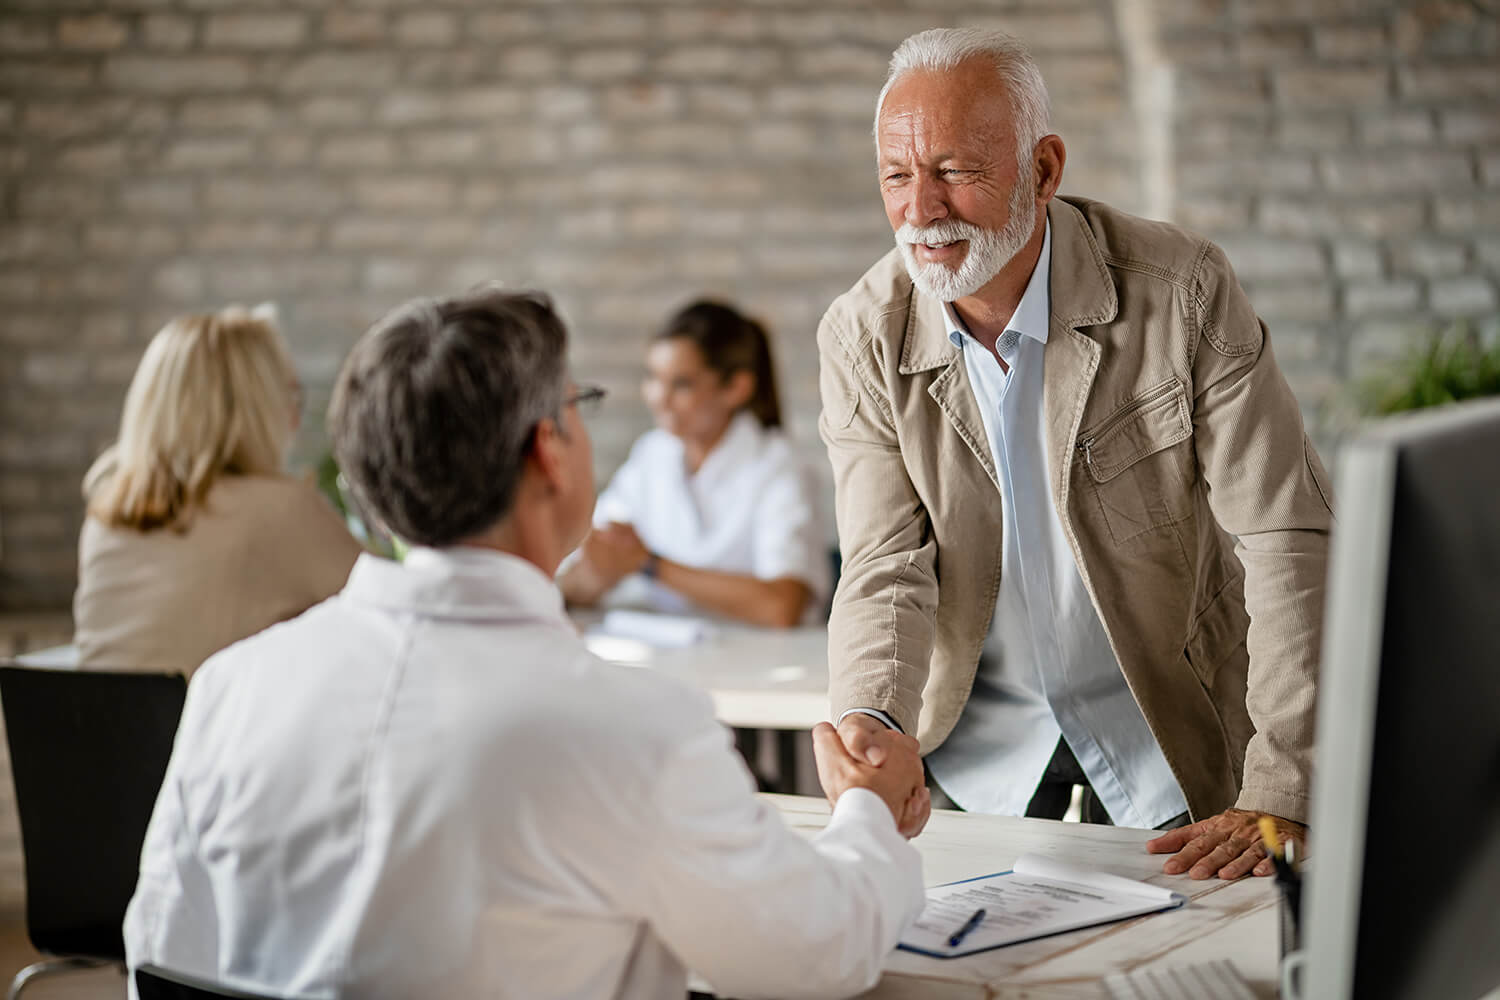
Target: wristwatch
<point x="650" y="566"/>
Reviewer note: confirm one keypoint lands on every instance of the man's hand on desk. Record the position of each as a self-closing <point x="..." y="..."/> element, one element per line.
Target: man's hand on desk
<point x="1228" y="845"/>
<point x="897" y="779"/>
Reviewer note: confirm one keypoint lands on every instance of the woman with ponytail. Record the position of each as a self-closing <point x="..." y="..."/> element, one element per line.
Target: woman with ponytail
<point x="194" y="537"/>
<point x="712" y="507"/>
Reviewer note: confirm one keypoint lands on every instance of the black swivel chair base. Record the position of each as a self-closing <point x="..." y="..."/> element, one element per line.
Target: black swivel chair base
<point x="51" y="966"/>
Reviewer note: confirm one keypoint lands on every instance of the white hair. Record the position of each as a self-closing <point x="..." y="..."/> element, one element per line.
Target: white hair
<point x="940" y="49"/>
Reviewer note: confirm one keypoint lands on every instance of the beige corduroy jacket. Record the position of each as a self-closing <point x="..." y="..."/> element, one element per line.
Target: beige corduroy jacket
<point x="1197" y="511"/>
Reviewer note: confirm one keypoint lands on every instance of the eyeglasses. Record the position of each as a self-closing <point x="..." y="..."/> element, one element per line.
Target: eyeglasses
<point x="587" y="398"/>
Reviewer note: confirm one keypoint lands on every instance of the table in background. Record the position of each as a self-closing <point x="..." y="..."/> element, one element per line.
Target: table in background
<point x="1223" y="920"/>
<point x="759" y="678"/>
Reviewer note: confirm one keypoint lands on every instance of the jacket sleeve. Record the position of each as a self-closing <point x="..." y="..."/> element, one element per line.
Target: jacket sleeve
<point x="881" y="629"/>
<point x="755" y="908"/>
<point x="1267" y="488"/>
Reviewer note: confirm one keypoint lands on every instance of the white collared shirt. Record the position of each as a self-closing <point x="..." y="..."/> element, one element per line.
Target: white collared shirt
<point x="748" y="509"/>
<point x="427" y="787"/>
<point x="1047" y="668"/>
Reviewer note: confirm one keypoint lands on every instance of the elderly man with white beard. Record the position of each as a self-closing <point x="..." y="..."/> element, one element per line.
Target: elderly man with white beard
<point x="1083" y="531"/>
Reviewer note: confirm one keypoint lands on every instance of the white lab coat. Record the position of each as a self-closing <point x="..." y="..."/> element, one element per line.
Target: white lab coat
<point x="750" y="508"/>
<point x="427" y="787"/>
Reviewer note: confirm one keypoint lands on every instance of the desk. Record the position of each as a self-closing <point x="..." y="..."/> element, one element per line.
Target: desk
<point x="759" y="678"/>
<point x="1233" y="920"/>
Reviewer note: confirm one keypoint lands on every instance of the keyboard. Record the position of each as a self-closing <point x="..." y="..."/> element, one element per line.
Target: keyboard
<point x="1216" y="980"/>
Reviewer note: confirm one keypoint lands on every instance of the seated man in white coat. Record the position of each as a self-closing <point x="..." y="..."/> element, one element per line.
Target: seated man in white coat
<point x="427" y="787"/>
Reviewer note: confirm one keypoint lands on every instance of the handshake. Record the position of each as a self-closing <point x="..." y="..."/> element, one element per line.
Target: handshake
<point x="863" y="753"/>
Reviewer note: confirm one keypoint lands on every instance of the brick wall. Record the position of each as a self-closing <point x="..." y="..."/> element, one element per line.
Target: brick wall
<point x="167" y="155"/>
<point x="158" y="156"/>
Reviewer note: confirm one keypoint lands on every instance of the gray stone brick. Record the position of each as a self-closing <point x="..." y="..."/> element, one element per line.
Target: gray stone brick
<point x="1467" y="296"/>
<point x="255" y="31"/>
<point x="157" y="196"/>
<point x="287" y="150"/>
<point x="643" y="100"/>
<point x="1212" y="214"/>
<point x="1224" y="92"/>
<point x="1428" y="257"/>
<point x="235" y="114"/>
<point x="270" y="236"/>
<point x="360" y="149"/>
<point x="504" y="25"/>
<point x="607" y="64"/>
<point x="53" y="198"/>
<point x="92" y="32"/>
<point x="180" y="280"/>
<point x="825" y="101"/>
<point x="618" y="24"/>
<point x="1396" y="172"/>
<point x="562" y="102"/>
<point x="176" y="74"/>
<point x="1449" y="81"/>
<point x="291" y="196"/>
<point x="1489" y="169"/>
<point x="1396" y="128"/>
<point x="1350" y="41"/>
<point x="528" y="62"/>
<point x="167" y="31"/>
<point x="24" y="34"/>
<point x="127" y="239"/>
<point x="443" y="146"/>
<point x="1256" y="258"/>
<point x="46" y="74"/>
<point x="694" y="23"/>
<point x="53" y="371"/>
<point x="1280" y="45"/>
<point x="1288" y="301"/>
<point x="1382" y="298"/>
<point x="1283" y="172"/>
<point x="208" y="153"/>
<point x="1354" y="86"/>
<point x="322" y="72"/>
<point x="424" y="192"/>
<point x="426" y="27"/>
<point x="1313" y="131"/>
<point x="1460" y="213"/>
<point x="1470" y="125"/>
<point x="106" y="156"/>
<point x="1487" y="250"/>
<point x="1381" y="217"/>
<point x="714" y="61"/>
<point x="35" y="241"/>
<point x="339" y="26"/>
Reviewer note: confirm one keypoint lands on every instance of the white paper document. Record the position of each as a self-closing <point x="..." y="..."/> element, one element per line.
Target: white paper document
<point x="656" y="629"/>
<point x="1040" y="896"/>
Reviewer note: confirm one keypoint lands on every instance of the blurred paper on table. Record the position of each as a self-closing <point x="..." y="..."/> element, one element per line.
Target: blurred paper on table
<point x="657" y="629"/>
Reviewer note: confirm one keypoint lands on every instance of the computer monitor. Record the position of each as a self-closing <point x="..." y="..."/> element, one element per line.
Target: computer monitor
<point x="1403" y="897"/>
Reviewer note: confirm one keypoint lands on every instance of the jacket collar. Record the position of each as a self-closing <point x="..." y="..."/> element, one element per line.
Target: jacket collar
<point x="1081" y="291"/>
<point x="460" y="582"/>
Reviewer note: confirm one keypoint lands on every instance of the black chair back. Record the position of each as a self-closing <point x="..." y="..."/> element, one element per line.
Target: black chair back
<point x="88" y="751"/>
<point x="159" y="984"/>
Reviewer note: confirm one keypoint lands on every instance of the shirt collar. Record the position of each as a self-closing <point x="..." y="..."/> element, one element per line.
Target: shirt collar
<point x="1033" y="313"/>
<point x="458" y="582"/>
<point x="739" y="444"/>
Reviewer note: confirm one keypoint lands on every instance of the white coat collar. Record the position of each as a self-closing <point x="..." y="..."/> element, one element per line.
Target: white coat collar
<point x="458" y="582"/>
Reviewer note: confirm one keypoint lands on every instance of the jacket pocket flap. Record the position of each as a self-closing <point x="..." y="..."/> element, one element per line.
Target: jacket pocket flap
<point x="1153" y="421"/>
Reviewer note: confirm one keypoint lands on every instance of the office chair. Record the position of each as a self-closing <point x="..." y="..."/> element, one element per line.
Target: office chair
<point x="158" y="984"/>
<point x="88" y="751"/>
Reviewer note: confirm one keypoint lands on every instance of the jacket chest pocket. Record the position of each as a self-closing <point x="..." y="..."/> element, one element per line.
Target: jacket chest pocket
<point x="1140" y="464"/>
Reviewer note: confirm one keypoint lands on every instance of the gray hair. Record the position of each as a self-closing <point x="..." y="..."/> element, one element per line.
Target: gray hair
<point x="944" y="48"/>
<point x="436" y="405"/>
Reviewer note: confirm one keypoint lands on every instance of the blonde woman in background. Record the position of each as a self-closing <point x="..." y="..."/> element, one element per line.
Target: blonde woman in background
<point x="195" y="538"/>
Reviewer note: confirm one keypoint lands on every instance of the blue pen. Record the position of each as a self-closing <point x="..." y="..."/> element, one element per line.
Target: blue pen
<point x="957" y="938"/>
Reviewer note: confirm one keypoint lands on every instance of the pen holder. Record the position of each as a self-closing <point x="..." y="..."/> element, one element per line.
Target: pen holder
<point x="1293" y="959"/>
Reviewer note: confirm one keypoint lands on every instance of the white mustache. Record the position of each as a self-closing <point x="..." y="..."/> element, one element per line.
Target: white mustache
<point x="938" y="232"/>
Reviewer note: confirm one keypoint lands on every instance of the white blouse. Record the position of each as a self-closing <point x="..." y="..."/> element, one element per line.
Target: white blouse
<point x="750" y="508"/>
